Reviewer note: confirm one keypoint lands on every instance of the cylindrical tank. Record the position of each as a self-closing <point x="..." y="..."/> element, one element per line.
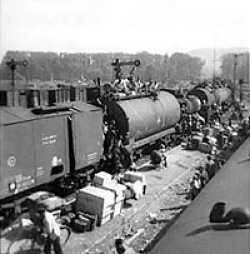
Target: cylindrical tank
<point x="141" y="117"/>
<point x="204" y="95"/>
<point x="193" y="104"/>
<point x="222" y="94"/>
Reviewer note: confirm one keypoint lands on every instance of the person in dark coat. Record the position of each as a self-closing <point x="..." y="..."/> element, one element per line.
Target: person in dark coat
<point x="52" y="230"/>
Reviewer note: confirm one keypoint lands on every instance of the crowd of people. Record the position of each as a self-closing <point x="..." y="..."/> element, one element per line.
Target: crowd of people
<point x="202" y="175"/>
<point x="227" y="136"/>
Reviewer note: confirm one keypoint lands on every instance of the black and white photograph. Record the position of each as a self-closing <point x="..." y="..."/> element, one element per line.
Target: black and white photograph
<point x="124" y="127"/>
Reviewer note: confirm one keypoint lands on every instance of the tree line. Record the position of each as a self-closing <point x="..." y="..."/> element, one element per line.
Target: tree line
<point x="70" y="67"/>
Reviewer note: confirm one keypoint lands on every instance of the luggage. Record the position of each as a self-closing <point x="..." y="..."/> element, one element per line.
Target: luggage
<point x="102" y="178"/>
<point x="119" y="191"/>
<point x="133" y="177"/>
<point x="92" y="219"/>
<point x="205" y="148"/>
<point x="96" y="201"/>
<point x="79" y="225"/>
<point x="195" y="141"/>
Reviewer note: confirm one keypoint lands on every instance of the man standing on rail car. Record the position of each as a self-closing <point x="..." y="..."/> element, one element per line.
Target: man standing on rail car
<point x="51" y="229"/>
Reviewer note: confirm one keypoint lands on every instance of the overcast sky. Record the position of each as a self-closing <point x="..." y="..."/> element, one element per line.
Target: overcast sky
<point x="157" y="26"/>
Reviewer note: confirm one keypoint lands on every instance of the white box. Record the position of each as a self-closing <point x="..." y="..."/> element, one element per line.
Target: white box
<point x="97" y="201"/>
<point x="134" y="176"/>
<point x="119" y="190"/>
<point x="102" y="178"/>
<point x="118" y="208"/>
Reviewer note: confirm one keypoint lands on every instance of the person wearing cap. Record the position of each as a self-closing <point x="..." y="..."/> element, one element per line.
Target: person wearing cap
<point x="51" y="229"/>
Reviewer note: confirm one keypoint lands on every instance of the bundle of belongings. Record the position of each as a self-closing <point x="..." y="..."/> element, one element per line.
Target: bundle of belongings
<point x="135" y="183"/>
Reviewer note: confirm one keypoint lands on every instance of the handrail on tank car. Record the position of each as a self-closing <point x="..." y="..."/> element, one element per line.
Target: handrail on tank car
<point x="131" y="97"/>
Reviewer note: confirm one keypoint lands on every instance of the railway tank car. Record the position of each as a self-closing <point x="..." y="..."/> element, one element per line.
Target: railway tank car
<point x="144" y="119"/>
<point x="205" y="96"/>
<point x="191" y="103"/>
<point x="209" y="97"/>
<point x="217" y="95"/>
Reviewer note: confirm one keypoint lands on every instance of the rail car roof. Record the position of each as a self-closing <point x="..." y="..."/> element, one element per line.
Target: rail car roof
<point x="192" y="233"/>
<point x="83" y="107"/>
<point x="10" y="115"/>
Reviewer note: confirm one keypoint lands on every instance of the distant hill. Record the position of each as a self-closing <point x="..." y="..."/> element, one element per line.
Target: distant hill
<point x="207" y="54"/>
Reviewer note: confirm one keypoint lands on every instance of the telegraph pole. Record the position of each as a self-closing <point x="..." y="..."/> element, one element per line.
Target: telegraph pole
<point x="234" y="73"/>
<point x="12" y="64"/>
<point x="214" y="61"/>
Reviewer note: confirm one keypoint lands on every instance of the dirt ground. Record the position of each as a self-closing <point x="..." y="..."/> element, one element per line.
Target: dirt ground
<point x="140" y="221"/>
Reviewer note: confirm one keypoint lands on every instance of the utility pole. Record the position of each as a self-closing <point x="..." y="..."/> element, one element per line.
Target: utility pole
<point x="12" y="64"/>
<point x="234" y="73"/>
<point x="214" y="61"/>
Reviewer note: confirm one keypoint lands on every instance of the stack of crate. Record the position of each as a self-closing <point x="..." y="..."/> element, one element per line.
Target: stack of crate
<point x="104" y="181"/>
<point x="94" y="200"/>
<point x="119" y="191"/>
<point x="105" y="199"/>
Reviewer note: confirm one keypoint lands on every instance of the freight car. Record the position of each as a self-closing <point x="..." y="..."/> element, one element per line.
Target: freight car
<point x="44" y="145"/>
<point x="194" y="233"/>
